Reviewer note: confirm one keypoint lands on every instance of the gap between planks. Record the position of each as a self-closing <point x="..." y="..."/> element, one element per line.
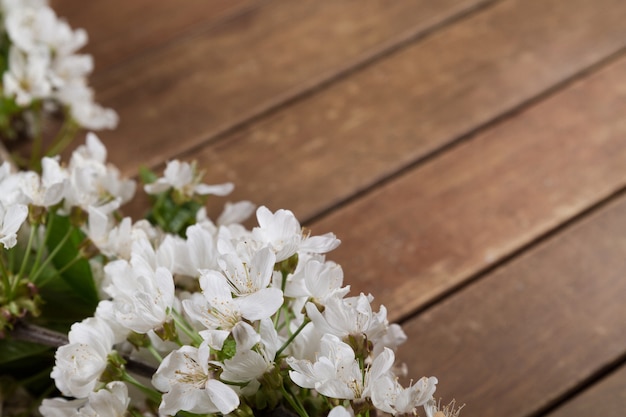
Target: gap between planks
<point x="606" y="398"/>
<point x="448" y="251"/>
<point x="535" y="331"/>
<point x="395" y="132"/>
<point x="236" y="96"/>
<point x="326" y="80"/>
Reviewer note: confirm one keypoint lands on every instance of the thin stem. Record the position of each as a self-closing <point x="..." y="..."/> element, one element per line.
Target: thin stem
<point x="29" y="246"/>
<point x="51" y="255"/>
<point x="181" y="322"/>
<point x="283" y="285"/>
<point x="154" y="352"/>
<point x="60" y="271"/>
<point x="64" y="137"/>
<point x="6" y="281"/>
<point x="42" y="244"/>
<point x="294" y="402"/>
<point x="152" y="394"/>
<point x="11" y="262"/>
<point x="293" y="336"/>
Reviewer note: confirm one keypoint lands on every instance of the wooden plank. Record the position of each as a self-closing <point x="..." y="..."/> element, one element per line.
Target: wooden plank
<point x="607" y="398"/>
<point x="187" y="93"/>
<point x="526" y="334"/>
<point x="434" y="227"/>
<point x="122" y="30"/>
<point x="344" y="139"/>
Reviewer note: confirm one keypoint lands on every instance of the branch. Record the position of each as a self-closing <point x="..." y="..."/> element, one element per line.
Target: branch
<point x="36" y="334"/>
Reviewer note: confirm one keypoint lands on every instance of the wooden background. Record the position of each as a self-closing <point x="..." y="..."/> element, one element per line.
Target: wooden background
<point x="470" y="154"/>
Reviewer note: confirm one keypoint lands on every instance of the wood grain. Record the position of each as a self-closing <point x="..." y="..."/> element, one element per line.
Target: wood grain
<point x="607" y="398"/>
<point x="120" y="31"/>
<point x="187" y="93"/>
<point x="431" y="229"/>
<point x="341" y="141"/>
<point x="534" y="329"/>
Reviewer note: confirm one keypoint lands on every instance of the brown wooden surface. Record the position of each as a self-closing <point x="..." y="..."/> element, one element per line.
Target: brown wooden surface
<point x="121" y="31"/>
<point x="342" y="140"/>
<point x="607" y="398"/>
<point x="528" y="332"/>
<point x="470" y="154"/>
<point x="478" y="202"/>
<point x="252" y="63"/>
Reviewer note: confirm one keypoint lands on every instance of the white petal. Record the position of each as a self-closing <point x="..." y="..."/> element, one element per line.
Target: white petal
<point x="261" y="304"/>
<point x="219" y="189"/>
<point x="224" y="398"/>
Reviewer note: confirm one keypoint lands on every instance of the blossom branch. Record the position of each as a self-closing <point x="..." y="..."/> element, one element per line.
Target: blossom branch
<point x="27" y="332"/>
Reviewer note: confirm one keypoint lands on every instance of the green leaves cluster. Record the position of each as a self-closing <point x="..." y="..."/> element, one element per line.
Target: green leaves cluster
<point x="47" y="281"/>
<point x="170" y="210"/>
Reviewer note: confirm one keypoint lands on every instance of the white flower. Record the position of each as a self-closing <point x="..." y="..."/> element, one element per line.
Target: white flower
<point x="389" y="396"/>
<point x="141" y="297"/>
<point x="435" y="409"/>
<point x="44" y="191"/>
<point x="11" y="219"/>
<point x="111" y="241"/>
<point x="80" y="98"/>
<point x="336" y="373"/>
<point x="92" y="182"/>
<point x="200" y="251"/>
<point x="26" y="79"/>
<point x="109" y="402"/>
<point x="235" y="213"/>
<point x="341" y="411"/>
<point x="78" y="365"/>
<point x="186" y="380"/>
<point x="220" y="312"/>
<point x="31" y="27"/>
<point x="282" y="232"/>
<point x="183" y="177"/>
<point x="68" y="69"/>
<point x="349" y="316"/>
<point x="317" y="280"/>
<point x="248" y="365"/>
<point x="60" y="407"/>
<point x="248" y="277"/>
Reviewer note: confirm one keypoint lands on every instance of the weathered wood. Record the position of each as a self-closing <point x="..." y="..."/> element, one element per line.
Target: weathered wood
<point x="523" y="336"/>
<point x="607" y="398"/>
<point x="187" y="93"/>
<point x="124" y="30"/>
<point x="322" y="150"/>
<point x="437" y="225"/>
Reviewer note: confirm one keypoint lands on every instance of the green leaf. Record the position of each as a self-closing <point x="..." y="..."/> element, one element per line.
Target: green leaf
<point x="78" y="276"/>
<point x="12" y="350"/>
<point x="62" y="307"/>
<point x="146" y="175"/>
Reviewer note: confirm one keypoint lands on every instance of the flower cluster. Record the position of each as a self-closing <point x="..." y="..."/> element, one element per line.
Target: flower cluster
<point x="196" y="316"/>
<point x="174" y="314"/>
<point x="42" y="74"/>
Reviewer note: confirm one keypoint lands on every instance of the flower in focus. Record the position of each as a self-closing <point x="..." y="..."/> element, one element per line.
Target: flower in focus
<point x="112" y="401"/>
<point x="141" y="297"/>
<point x="435" y="409"/>
<point x="282" y="232"/>
<point x="80" y="363"/>
<point x="389" y="396"/>
<point x="337" y="373"/>
<point x="186" y="380"/>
